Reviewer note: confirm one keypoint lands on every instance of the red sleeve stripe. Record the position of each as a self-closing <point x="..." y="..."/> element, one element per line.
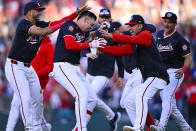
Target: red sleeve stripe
<point x="69" y="35"/>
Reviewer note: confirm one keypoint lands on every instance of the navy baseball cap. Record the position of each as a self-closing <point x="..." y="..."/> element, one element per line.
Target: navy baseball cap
<point x="33" y="5"/>
<point x="114" y="26"/>
<point x="171" y="16"/>
<point x="104" y="13"/>
<point x="136" y="19"/>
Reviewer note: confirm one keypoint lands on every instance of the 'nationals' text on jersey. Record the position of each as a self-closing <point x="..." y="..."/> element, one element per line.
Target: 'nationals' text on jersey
<point x="172" y="49"/>
<point x="25" y="45"/>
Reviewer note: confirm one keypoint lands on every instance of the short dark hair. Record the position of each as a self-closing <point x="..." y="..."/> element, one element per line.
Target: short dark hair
<point x="89" y="14"/>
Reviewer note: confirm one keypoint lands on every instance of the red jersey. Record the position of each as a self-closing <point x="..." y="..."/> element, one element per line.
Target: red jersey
<point x="191" y="93"/>
<point x="43" y="61"/>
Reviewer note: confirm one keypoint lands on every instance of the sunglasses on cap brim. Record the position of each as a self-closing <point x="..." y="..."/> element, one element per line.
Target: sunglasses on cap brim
<point x="105" y="16"/>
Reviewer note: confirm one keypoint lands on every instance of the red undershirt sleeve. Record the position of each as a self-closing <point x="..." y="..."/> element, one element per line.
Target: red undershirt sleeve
<point x="143" y="38"/>
<point x="55" y="25"/>
<point x="69" y="17"/>
<point x="71" y="44"/>
<point x="117" y="50"/>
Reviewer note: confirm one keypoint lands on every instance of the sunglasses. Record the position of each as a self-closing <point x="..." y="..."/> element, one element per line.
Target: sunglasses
<point x="104" y="16"/>
<point x="104" y="12"/>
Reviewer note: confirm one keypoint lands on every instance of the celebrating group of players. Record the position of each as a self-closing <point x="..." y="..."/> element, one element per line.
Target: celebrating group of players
<point x="154" y="66"/>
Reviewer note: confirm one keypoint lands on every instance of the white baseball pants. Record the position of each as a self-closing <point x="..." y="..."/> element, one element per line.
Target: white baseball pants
<point x="129" y="94"/>
<point x="14" y="115"/>
<point x="169" y="102"/>
<point x="98" y="83"/>
<point x="26" y="86"/>
<point x="134" y="81"/>
<point x="146" y="91"/>
<point x="74" y="81"/>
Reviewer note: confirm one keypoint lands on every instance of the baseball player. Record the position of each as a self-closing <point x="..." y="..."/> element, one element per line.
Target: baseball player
<point x="175" y="52"/>
<point x="98" y="80"/>
<point x="101" y="68"/>
<point x="153" y="71"/>
<point x="131" y="88"/>
<point x="66" y="71"/>
<point x="42" y="64"/>
<point x="19" y="72"/>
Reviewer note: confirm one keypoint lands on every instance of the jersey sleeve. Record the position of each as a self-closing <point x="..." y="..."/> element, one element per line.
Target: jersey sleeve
<point x="68" y="28"/>
<point x="183" y="46"/>
<point x="42" y="24"/>
<point x="143" y="38"/>
<point x="24" y="26"/>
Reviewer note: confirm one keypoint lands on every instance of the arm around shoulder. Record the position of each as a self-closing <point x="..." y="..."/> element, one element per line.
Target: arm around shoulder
<point x="34" y="30"/>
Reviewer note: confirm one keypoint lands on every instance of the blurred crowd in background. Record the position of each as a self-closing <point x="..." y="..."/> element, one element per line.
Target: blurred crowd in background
<point x="55" y="96"/>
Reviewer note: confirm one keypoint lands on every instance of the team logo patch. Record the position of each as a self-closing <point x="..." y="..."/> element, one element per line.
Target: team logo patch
<point x="71" y="28"/>
<point x="169" y="14"/>
<point x="184" y="47"/>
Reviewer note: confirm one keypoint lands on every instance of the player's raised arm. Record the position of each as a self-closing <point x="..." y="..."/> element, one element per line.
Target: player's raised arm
<point x="144" y="38"/>
<point x="34" y="30"/>
<point x="70" y="17"/>
<point x="117" y="50"/>
<point x="71" y="44"/>
<point x="32" y="11"/>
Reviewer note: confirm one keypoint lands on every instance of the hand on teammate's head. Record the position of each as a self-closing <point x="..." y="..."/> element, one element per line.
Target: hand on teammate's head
<point x="82" y="9"/>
